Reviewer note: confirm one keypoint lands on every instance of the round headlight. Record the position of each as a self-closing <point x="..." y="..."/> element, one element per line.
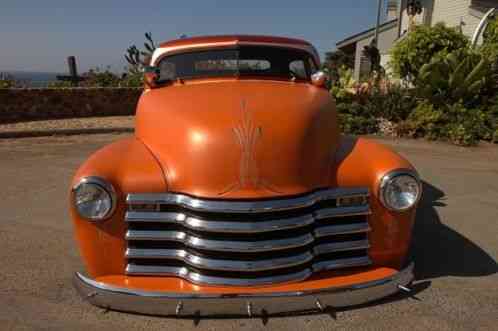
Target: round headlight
<point x="400" y="190"/>
<point x="94" y="198"/>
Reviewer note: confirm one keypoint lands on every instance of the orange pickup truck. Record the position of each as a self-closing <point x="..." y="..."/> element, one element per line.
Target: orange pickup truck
<point x="238" y="195"/>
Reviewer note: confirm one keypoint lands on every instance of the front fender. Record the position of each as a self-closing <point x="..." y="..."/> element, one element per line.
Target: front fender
<point x="129" y="167"/>
<point x="363" y="162"/>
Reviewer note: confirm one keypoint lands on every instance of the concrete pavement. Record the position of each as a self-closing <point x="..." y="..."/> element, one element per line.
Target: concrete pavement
<point x="455" y="247"/>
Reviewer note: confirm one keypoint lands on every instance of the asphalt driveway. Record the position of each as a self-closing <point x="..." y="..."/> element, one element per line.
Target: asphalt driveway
<point x="455" y="247"/>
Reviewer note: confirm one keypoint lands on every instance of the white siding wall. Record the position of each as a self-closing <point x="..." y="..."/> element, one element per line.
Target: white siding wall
<point x="453" y="13"/>
<point x="386" y="40"/>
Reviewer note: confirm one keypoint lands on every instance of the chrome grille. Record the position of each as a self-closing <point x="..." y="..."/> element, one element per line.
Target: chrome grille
<point x="244" y="243"/>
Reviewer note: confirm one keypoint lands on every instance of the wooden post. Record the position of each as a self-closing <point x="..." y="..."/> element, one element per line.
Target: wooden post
<point x="73" y="72"/>
<point x="71" y="62"/>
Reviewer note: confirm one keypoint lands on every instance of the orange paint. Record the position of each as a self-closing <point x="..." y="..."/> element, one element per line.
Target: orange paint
<point x="130" y="167"/>
<point x="232" y="138"/>
<point x="291" y="129"/>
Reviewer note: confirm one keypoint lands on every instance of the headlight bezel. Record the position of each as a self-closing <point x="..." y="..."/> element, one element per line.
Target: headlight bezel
<point x="388" y="178"/>
<point x="103" y="185"/>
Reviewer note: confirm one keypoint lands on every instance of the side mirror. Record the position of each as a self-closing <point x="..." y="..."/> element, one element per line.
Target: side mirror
<point x="319" y="79"/>
<point x="151" y="76"/>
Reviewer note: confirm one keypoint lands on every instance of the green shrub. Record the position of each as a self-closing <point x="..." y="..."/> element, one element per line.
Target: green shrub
<point x="420" y="45"/>
<point x="7" y="80"/>
<point x="60" y="84"/>
<point x="381" y="99"/>
<point x="490" y="35"/>
<point x="132" y="79"/>
<point x="371" y="107"/>
<point x="466" y="126"/>
<point x="392" y="102"/>
<point x="425" y="121"/>
<point x="4" y="83"/>
<point x="495" y="136"/>
<point x="355" y="119"/>
<point x="97" y="78"/>
<point x="492" y="120"/>
<point x="489" y="50"/>
<point x="456" y="123"/>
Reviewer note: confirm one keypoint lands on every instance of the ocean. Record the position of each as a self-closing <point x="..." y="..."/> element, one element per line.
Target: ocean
<point x="34" y="79"/>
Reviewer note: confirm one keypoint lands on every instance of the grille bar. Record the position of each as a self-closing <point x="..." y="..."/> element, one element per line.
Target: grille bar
<point x="341" y="229"/>
<point x="220" y="245"/>
<point x="342" y="212"/>
<point x="219" y="226"/>
<point x="235" y="206"/>
<point x="342" y="263"/>
<point x="198" y="278"/>
<point x="217" y="264"/>
<point x="341" y="246"/>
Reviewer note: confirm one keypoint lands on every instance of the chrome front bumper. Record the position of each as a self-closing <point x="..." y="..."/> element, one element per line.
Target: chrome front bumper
<point x="185" y="305"/>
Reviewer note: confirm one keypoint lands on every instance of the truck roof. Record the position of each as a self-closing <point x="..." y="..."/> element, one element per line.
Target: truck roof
<point x="174" y="46"/>
<point x="233" y="38"/>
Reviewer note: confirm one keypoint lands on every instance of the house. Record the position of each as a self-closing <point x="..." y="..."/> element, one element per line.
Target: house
<point x="463" y="14"/>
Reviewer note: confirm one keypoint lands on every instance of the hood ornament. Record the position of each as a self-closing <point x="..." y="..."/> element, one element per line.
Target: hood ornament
<point x="248" y="135"/>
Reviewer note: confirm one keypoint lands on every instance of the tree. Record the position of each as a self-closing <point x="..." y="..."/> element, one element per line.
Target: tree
<point x="371" y="52"/>
<point x="334" y="61"/>
<point x="136" y="58"/>
<point x="413" y="8"/>
<point x="419" y="46"/>
<point x="489" y="49"/>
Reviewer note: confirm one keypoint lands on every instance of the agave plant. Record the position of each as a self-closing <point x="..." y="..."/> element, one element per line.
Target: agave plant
<point x="457" y="76"/>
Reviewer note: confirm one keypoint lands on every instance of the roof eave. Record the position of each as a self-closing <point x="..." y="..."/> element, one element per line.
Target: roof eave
<point x="366" y="34"/>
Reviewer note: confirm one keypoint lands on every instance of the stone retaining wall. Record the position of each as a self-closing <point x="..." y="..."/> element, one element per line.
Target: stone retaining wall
<point x="17" y="105"/>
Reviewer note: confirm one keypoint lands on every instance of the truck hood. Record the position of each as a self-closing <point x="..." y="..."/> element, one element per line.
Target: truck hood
<point x="240" y="138"/>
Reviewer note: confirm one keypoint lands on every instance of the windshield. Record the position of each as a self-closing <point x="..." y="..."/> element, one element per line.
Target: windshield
<point x="241" y="61"/>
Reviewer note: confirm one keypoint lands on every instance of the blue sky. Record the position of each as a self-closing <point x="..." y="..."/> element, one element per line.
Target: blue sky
<point x="37" y="35"/>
